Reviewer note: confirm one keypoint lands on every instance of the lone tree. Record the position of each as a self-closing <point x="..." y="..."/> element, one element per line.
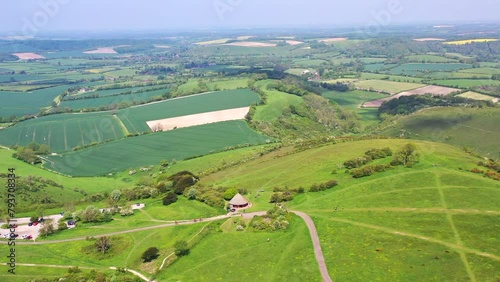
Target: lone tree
<point x="407" y="156"/>
<point x="103" y="244"/>
<point x="181" y="248"/>
<point x="150" y="254"/>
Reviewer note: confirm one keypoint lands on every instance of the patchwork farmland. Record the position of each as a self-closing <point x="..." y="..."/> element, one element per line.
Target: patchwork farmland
<point x="136" y="118"/>
<point x="151" y="149"/>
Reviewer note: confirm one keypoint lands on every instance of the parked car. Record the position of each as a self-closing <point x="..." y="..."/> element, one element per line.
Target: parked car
<point x="71" y="222"/>
<point x="35" y="223"/>
<point x="27" y="237"/>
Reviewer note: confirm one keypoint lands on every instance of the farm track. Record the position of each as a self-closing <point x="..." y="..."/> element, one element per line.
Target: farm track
<point x="414" y="210"/>
<point x="136" y="273"/>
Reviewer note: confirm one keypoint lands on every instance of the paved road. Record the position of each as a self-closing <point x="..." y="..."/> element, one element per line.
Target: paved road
<point x="317" y="247"/>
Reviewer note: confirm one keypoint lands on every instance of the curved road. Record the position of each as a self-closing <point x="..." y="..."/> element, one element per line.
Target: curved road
<point x="317" y="247"/>
<point x="309" y="222"/>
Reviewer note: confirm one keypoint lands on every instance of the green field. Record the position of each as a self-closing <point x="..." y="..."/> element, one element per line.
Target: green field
<point x="135" y="118"/>
<point x="489" y="71"/>
<point x="112" y="100"/>
<point x="425" y="221"/>
<point x="65" y="131"/>
<point x="387" y="86"/>
<point x="353" y="100"/>
<point x="430" y="59"/>
<point x="471" y="128"/>
<point x="276" y="103"/>
<point x="396" y="78"/>
<point x="465" y="83"/>
<point x="476" y="96"/>
<point x="151" y="149"/>
<point x="288" y="256"/>
<point x="413" y="69"/>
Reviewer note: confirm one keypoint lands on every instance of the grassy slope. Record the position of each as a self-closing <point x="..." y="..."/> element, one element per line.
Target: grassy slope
<point x="276" y="102"/>
<point x="402" y="212"/>
<point x="90" y="184"/>
<point x="288" y="256"/>
<point x="471" y="128"/>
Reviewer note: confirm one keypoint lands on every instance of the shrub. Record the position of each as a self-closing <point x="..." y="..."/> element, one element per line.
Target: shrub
<point x="230" y="193"/>
<point x="62" y="226"/>
<point x="181" y="248"/>
<point x="150" y="254"/>
<point x="170" y="198"/>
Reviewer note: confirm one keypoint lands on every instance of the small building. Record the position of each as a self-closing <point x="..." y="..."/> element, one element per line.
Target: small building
<point x="238" y="202"/>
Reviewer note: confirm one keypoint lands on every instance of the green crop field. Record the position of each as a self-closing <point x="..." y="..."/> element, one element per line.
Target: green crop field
<point x="465" y="83"/>
<point x="430" y="59"/>
<point x="391" y="77"/>
<point x="489" y="71"/>
<point x="387" y="86"/>
<point x="151" y="149"/>
<point x="63" y="132"/>
<point x="413" y="69"/>
<point x="111" y="100"/>
<point x="379" y="67"/>
<point x="352" y="99"/>
<point x="135" y="118"/>
<point x="471" y="128"/>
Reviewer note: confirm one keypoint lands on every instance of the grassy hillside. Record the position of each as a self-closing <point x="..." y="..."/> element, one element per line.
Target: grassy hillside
<point x="471" y="128"/>
<point x="432" y="222"/>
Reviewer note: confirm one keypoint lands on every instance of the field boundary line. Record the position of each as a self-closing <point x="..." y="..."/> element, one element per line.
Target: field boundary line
<point x="406" y="234"/>
<point x="463" y="257"/>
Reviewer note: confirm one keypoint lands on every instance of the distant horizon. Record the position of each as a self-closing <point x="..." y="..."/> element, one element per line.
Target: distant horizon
<point x="31" y="17"/>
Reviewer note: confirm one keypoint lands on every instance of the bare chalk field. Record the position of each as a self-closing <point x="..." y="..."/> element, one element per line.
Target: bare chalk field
<point x="28" y="56"/>
<point x="198" y="119"/>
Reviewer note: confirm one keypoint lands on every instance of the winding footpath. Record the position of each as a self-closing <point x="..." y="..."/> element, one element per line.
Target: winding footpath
<point x="309" y="222"/>
<point x="317" y="247"/>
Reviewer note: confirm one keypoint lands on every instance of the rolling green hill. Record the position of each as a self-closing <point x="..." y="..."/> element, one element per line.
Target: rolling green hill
<point x="471" y="128"/>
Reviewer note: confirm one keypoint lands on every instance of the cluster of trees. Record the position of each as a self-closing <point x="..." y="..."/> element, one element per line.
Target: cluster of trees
<point x="93" y="214"/>
<point x="29" y="154"/>
<point x="407" y="156"/>
<point x="157" y="70"/>
<point x="338" y="86"/>
<point x="288" y="88"/>
<point x="286" y="194"/>
<point x="323" y="186"/>
<point x="369" y="170"/>
<point x="493" y="171"/>
<point x="405" y="105"/>
<point x="275" y="219"/>
<point x="369" y="156"/>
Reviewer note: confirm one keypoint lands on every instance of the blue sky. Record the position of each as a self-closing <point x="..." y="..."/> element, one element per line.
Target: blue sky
<point x="194" y="14"/>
